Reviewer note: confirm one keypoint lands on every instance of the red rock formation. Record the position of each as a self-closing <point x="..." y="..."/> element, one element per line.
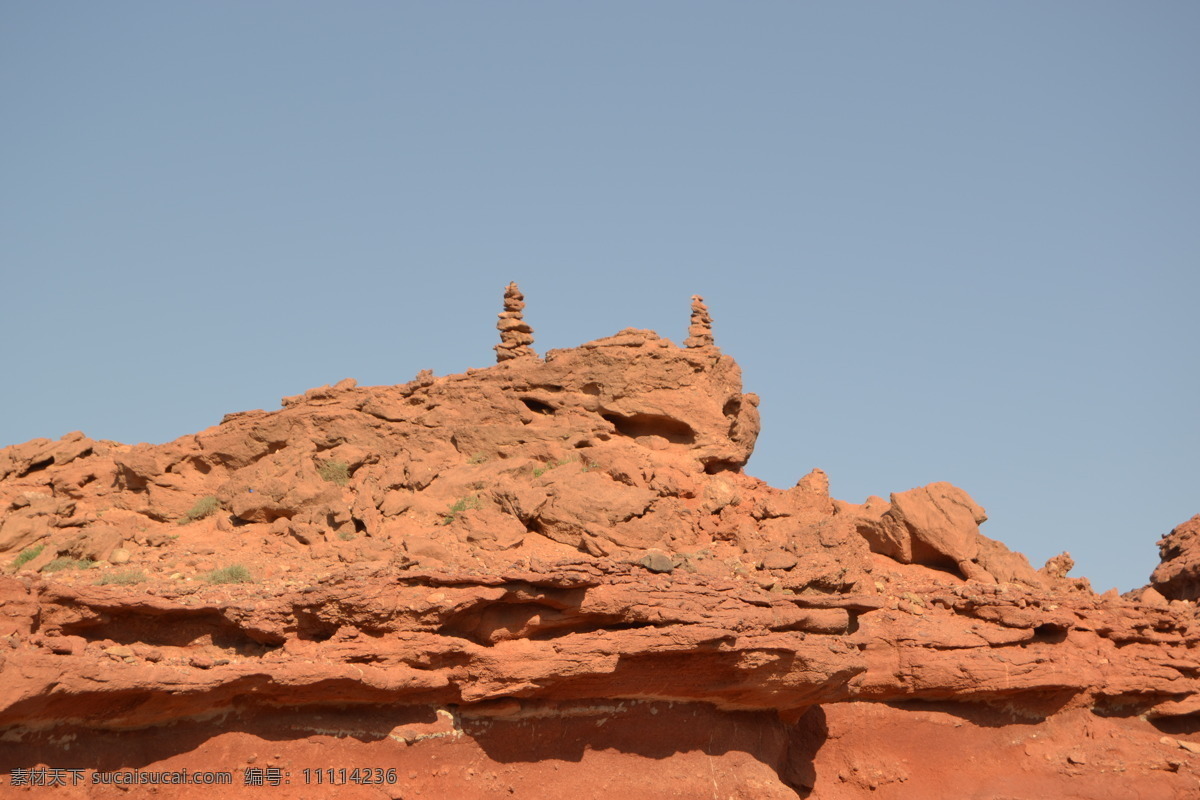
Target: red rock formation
<point x="1178" y="576"/>
<point x="551" y="577"/>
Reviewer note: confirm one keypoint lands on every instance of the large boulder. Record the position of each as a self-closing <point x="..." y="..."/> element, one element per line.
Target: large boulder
<point x="1177" y="576"/>
<point x="935" y="525"/>
<point x="938" y="526"/>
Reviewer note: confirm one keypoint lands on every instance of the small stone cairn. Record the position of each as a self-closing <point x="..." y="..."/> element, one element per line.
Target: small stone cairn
<point x="700" y="331"/>
<point x="515" y="334"/>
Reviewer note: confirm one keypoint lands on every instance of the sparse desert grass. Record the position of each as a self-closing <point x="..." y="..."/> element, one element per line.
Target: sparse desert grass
<point x="459" y="506"/>
<point x="27" y="555"/>
<point x="203" y="508"/>
<point x="234" y="573"/>
<point x="334" y="471"/>
<point x="123" y="578"/>
<point x="540" y="471"/>
<point x="59" y="564"/>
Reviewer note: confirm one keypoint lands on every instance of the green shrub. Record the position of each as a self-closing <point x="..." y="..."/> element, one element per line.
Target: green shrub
<point x="334" y="471"/>
<point x="234" y="573"/>
<point x="59" y="564"/>
<point x="124" y="578"/>
<point x="203" y="507"/>
<point x="27" y="555"/>
<point x="459" y="506"/>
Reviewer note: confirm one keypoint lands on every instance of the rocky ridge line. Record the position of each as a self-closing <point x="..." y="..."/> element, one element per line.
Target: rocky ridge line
<point x="566" y="543"/>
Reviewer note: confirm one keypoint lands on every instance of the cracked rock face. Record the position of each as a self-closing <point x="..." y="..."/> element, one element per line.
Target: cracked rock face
<point x="552" y="577"/>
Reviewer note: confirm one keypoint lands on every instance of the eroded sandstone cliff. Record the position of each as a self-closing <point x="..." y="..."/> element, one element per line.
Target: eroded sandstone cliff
<point x="549" y="578"/>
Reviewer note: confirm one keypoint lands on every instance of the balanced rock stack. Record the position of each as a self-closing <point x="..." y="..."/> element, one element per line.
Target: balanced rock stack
<point x="515" y="334"/>
<point x="700" y="330"/>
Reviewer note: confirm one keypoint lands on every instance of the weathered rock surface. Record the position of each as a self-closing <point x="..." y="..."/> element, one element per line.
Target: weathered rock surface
<point x="1178" y="576"/>
<point x="551" y="577"/>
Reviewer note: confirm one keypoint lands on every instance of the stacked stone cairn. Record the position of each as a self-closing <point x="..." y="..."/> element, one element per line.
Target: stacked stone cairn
<point x="515" y="334"/>
<point x="700" y="331"/>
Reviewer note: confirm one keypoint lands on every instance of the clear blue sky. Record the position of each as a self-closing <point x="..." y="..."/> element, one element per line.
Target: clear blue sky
<point x="946" y="240"/>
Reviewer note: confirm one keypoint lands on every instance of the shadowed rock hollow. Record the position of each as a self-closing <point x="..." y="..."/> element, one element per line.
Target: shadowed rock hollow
<point x="552" y="577"/>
